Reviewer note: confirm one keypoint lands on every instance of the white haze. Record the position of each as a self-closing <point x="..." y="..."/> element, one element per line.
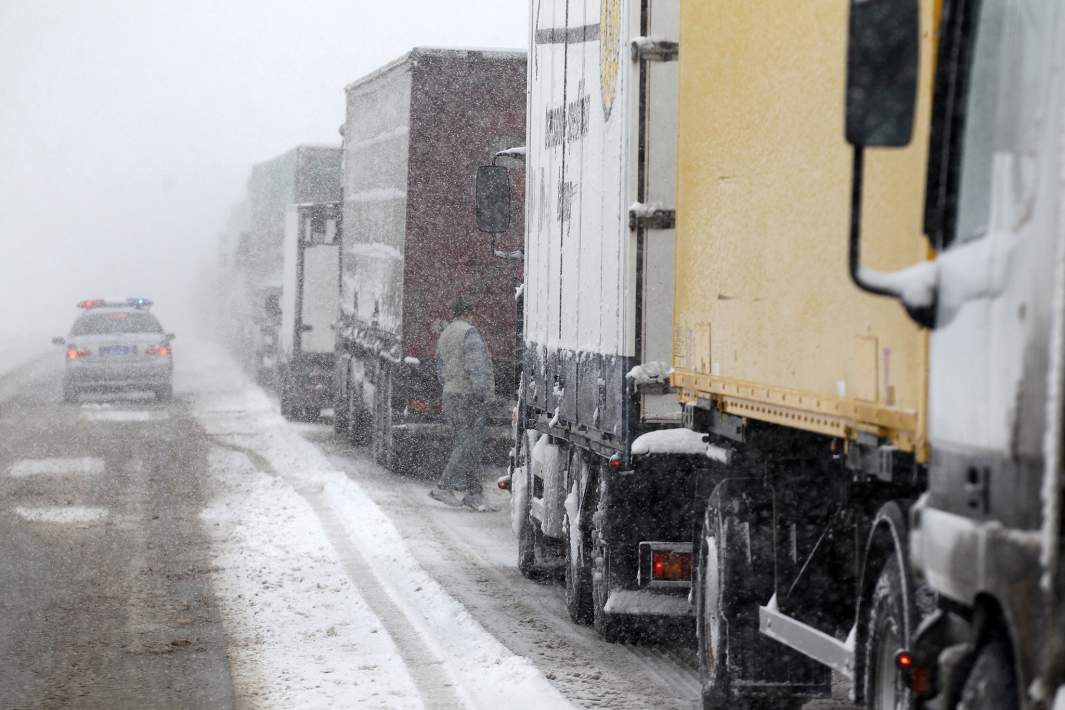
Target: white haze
<point x="127" y="130"/>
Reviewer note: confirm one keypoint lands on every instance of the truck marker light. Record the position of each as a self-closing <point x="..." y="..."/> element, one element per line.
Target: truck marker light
<point x="904" y="660"/>
<point x="616" y="462"/>
<point x="503" y="483"/>
<point x="671" y="566"/>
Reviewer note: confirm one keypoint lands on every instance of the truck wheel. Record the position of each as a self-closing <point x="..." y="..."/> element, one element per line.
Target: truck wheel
<point x="734" y="574"/>
<point x="358" y="431"/>
<point x="380" y="434"/>
<point x="603" y="576"/>
<point x="885" y="687"/>
<point x="341" y="422"/>
<point x="991" y="684"/>
<point x="70" y="395"/>
<point x="288" y="405"/>
<point x="576" y="544"/>
<point x="527" y="549"/>
<point x="527" y="532"/>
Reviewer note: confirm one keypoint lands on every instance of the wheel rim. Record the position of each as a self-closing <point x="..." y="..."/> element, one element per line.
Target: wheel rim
<point x="711" y="625"/>
<point x="887" y="681"/>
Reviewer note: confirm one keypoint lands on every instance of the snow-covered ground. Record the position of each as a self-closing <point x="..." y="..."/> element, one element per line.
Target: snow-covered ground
<point x="19" y="351"/>
<point x="324" y="603"/>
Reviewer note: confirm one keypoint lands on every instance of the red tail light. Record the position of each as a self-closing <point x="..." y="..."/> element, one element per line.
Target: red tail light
<point x="160" y="350"/>
<point x="425" y="406"/>
<point x="670" y="566"/>
<point x="73" y="354"/>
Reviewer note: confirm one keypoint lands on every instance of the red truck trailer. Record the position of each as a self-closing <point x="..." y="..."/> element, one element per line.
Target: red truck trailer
<point x="415" y="132"/>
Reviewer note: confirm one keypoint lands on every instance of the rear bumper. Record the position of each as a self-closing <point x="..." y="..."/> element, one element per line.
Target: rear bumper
<point x="649" y="602"/>
<point x="125" y="375"/>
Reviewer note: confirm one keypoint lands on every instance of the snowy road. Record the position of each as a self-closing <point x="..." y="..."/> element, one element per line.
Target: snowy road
<point x="207" y="553"/>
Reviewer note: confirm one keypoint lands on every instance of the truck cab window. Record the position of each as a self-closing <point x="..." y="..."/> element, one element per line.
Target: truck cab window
<point x="1003" y="111"/>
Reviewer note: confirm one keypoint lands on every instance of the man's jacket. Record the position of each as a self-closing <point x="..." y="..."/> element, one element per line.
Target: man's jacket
<point x="462" y="361"/>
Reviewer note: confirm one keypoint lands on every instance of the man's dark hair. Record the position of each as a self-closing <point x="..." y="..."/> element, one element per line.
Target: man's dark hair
<point x="461" y="307"/>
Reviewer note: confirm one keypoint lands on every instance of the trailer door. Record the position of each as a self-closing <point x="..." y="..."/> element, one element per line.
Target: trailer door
<point x="318" y="280"/>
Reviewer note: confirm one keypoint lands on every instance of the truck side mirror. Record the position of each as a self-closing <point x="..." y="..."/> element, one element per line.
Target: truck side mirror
<point x="882" y="61"/>
<point x="493" y="199"/>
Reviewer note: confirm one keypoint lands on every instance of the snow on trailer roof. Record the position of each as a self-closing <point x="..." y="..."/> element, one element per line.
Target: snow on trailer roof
<point x="455" y="52"/>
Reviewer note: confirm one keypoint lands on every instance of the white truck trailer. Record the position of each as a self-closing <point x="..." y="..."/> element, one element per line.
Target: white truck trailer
<point x="596" y="468"/>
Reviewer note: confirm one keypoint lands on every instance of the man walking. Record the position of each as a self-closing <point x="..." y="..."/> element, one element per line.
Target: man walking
<point x="465" y="370"/>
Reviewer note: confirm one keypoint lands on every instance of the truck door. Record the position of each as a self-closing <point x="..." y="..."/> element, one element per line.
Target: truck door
<point x="319" y="281"/>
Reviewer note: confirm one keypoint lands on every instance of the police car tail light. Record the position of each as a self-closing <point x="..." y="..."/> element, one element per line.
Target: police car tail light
<point x="160" y="350"/>
<point x="73" y="353"/>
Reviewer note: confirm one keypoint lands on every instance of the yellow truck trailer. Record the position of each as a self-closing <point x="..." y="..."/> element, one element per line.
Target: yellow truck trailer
<point x="768" y="326"/>
<point x="892" y="509"/>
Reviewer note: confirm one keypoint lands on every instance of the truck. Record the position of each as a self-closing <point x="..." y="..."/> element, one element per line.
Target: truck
<point x="254" y="252"/>
<point x="308" y="309"/>
<point x="415" y="132"/>
<point x="890" y="512"/>
<point x="602" y="485"/>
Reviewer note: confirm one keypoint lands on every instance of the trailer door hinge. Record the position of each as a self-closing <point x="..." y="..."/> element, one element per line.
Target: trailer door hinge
<point x="652" y="49"/>
<point x="644" y="216"/>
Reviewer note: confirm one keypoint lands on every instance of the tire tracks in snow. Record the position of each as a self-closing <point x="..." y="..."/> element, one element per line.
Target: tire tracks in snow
<point x="426" y="669"/>
<point x="566" y="653"/>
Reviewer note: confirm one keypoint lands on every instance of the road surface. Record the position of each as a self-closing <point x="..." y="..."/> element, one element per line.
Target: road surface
<point x="205" y="553"/>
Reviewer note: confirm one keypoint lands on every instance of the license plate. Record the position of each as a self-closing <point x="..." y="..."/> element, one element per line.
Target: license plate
<point x="114" y="350"/>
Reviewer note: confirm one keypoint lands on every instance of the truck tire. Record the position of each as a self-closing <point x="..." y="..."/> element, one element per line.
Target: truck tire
<point x="604" y="577"/>
<point x="358" y="426"/>
<point x="734" y="575"/>
<point x="527" y="532"/>
<point x="885" y="688"/>
<point x="576" y="542"/>
<point x="70" y="394"/>
<point x="341" y="422"/>
<point x="991" y="684"/>
<point x="890" y="611"/>
<point x="285" y="395"/>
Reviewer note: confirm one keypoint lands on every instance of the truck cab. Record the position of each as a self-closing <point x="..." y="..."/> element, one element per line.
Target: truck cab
<point x="986" y="536"/>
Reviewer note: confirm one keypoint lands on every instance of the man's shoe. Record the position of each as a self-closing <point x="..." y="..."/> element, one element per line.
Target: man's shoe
<point x="476" y="501"/>
<point x="446" y="496"/>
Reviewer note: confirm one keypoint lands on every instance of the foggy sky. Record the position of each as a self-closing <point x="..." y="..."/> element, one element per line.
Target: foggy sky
<point x="128" y="127"/>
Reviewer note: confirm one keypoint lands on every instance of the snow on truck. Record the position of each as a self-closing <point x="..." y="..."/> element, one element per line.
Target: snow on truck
<point x="311" y="282"/>
<point x="600" y="485"/>
<point x="892" y="510"/>
<point x="416" y="130"/>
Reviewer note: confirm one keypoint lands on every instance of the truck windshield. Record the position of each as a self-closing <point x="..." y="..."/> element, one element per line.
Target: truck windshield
<point x="115" y="322"/>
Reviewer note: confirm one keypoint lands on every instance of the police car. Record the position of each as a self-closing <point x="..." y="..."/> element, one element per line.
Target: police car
<point x="117" y="344"/>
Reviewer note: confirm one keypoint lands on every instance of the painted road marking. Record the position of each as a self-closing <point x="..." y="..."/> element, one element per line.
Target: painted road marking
<point x="62" y="514"/>
<point x="125" y="416"/>
<point x="85" y="466"/>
